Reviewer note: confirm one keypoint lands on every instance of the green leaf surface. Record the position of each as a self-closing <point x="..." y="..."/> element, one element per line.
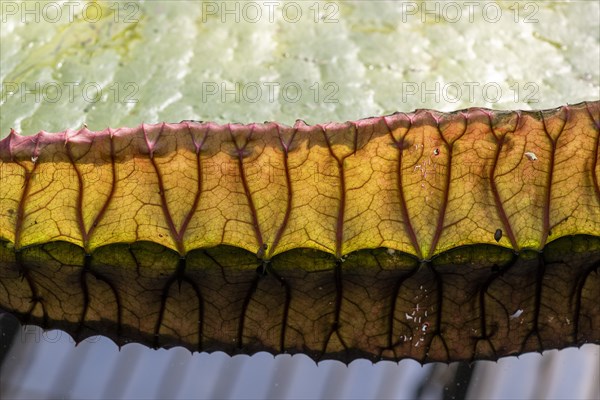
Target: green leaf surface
<point x="372" y="54"/>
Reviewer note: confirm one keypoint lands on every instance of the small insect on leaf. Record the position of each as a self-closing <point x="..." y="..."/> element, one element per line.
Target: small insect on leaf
<point x="498" y="235"/>
<point x="531" y="156"/>
<point x="517" y="314"/>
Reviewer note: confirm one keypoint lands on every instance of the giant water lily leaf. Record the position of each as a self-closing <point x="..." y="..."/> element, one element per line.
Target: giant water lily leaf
<point x="103" y="253"/>
<point x="434" y="236"/>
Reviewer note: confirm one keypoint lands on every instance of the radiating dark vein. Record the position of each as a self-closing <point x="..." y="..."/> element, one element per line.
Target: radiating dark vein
<point x="244" y="311"/>
<point x="241" y="154"/>
<point x="196" y="201"/>
<point x="86" y="234"/>
<point x="437" y="330"/>
<point x="553" y="144"/>
<point x="506" y="226"/>
<point x="486" y="335"/>
<point x="161" y="192"/>
<point x="448" y="180"/>
<point x="596" y="155"/>
<point x="339" y="229"/>
<point x="28" y="176"/>
<point x="80" y="223"/>
<point x="34" y="298"/>
<point x="401" y="145"/>
<point x="578" y="294"/>
<point x="285" y="147"/>
<point x="391" y="343"/>
<point x="535" y="329"/>
<point x="335" y="325"/>
<point x="286" y="304"/>
<point x="179" y="276"/>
